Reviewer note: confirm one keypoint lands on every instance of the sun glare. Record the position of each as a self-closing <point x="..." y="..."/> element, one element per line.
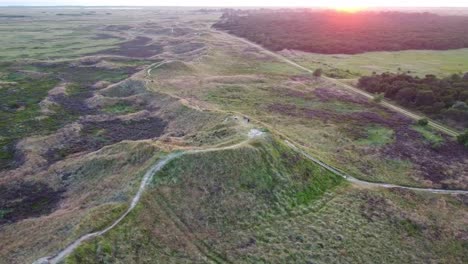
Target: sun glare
<point x="349" y="9"/>
<point x="346" y="6"/>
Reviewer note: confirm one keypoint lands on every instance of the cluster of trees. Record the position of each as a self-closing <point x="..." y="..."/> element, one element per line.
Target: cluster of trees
<point x="349" y="33"/>
<point x="441" y="98"/>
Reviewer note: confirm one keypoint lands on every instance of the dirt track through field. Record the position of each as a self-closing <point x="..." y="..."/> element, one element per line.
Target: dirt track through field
<point x="61" y="255"/>
<point x="144" y="182"/>
<point x="370" y="184"/>
<point x="148" y="176"/>
<point x="387" y="104"/>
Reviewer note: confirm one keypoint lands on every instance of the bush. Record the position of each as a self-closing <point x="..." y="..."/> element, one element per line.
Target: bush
<point x="318" y="72"/>
<point x="423" y="122"/>
<point x="378" y="98"/>
<point x="463" y="138"/>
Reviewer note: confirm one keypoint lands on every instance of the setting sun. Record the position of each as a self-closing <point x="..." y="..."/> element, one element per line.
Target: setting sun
<point x="346" y="6"/>
<point x="348" y="9"/>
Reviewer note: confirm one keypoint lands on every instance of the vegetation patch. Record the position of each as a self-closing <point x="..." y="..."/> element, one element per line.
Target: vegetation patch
<point x="120" y="108"/>
<point x="101" y="217"/>
<point x="432" y="162"/>
<point x="125" y="89"/>
<point x="414" y="62"/>
<point x="211" y="195"/>
<point x="347" y="226"/>
<point x="96" y="135"/>
<point x="444" y="99"/>
<point x="327" y="94"/>
<point x="431" y="136"/>
<point x="172" y="69"/>
<point x="377" y="136"/>
<point x="19" y="104"/>
<point x="138" y="48"/>
<point x="20" y="200"/>
<point x="187" y="47"/>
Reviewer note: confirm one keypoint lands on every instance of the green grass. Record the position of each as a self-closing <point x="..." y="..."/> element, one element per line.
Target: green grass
<point x="261" y="173"/>
<point x="45" y="38"/>
<point x="228" y="190"/>
<point x="125" y="89"/>
<point x="429" y="135"/>
<point x="4" y="212"/>
<point x="201" y="208"/>
<point x="120" y="108"/>
<point x="377" y="135"/>
<point x="418" y="62"/>
<point x="100" y="217"/>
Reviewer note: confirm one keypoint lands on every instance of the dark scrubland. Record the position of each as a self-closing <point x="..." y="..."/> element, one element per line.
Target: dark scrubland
<point x="28" y="84"/>
<point x="95" y="135"/>
<point x="349" y="33"/>
<point x="138" y="48"/>
<point x="443" y="99"/>
<point x="19" y="200"/>
<point x="436" y="160"/>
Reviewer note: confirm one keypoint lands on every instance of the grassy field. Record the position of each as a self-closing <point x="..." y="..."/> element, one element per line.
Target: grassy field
<point x="45" y="34"/>
<point x="415" y="62"/>
<point x="343" y="129"/>
<point x="83" y="127"/>
<point x="266" y="204"/>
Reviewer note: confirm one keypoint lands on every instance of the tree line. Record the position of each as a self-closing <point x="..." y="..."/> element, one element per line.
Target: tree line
<point x="332" y="32"/>
<point x="445" y="99"/>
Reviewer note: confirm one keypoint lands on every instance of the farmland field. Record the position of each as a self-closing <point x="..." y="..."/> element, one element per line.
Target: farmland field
<point x="175" y="138"/>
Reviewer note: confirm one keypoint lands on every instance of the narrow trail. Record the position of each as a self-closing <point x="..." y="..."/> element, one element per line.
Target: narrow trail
<point x="148" y="176"/>
<point x="385" y="103"/>
<point x="288" y="141"/>
<point x="367" y="183"/>
<point x="155" y="66"/>
<point x="144" y="182"/>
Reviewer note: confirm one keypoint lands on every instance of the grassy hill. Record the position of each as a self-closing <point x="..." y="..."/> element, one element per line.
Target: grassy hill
<point x="264" y="203"/>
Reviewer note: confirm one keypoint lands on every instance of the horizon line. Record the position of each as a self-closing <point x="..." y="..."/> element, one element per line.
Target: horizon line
<point x="226" y="6"/>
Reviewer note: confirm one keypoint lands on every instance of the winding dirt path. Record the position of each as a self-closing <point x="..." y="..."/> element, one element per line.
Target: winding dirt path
<point x="62" y="254"/>
<point x="148" y="176"/>
<point x="144" y="183"/>
<point x="155" y="66"/>
<point x="367" y="183"/>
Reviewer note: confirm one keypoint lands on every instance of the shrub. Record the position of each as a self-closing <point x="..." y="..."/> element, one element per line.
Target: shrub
<point x="378" y="98"/>
<point x="463" y="138"/>
<point x="423" y="122"/>
<point x="318" y="72"/>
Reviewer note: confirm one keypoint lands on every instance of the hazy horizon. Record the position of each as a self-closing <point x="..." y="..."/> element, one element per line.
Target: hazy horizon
<point x="240" y="3"/>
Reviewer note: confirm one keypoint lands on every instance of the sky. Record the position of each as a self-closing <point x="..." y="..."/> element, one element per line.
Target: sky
<point x="304" y="3"/>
